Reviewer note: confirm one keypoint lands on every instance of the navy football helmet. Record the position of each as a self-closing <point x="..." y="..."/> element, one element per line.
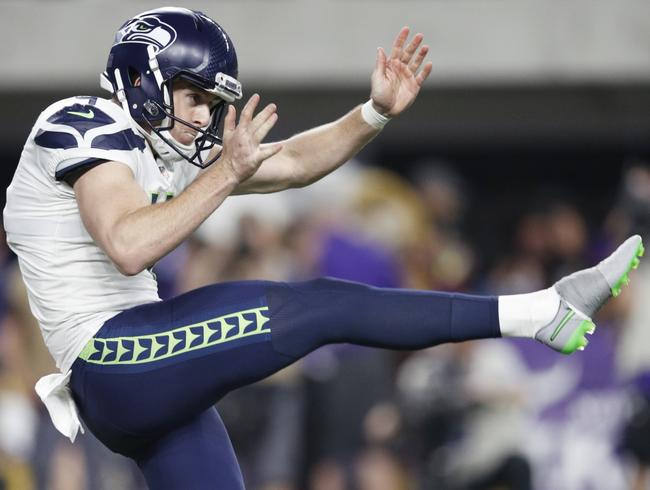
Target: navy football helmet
<point x="162" y="46"/>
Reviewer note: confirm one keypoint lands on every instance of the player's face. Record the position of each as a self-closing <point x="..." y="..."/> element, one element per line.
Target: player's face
<point x="191" y="104"/>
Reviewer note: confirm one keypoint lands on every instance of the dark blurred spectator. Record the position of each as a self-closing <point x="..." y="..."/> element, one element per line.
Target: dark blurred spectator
<point x="443" y="252"/>
<point x="567" y="240"/>
<point x="464" y="409"/>
<point x="632" y="215"/>
<point x="444" y="195"/>
<point x="632" y="212"/>
<point x="378" y="469"/>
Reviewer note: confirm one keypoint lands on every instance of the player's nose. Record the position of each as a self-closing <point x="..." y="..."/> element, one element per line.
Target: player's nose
<point x="201" y="115"/>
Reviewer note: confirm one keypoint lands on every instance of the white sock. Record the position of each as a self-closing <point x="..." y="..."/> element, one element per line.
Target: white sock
<point x="522" y="315"/>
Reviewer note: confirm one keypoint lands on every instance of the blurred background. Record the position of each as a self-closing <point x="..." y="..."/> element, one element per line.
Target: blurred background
<point x="524" y="158"/>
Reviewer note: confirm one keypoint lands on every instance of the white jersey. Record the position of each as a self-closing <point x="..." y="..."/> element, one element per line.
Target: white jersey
<point x="73" y="285"/>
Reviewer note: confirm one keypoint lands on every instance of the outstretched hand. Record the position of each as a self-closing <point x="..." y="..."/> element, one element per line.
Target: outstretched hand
<point x="396" y="81"/>
<point x="243" y="152"/>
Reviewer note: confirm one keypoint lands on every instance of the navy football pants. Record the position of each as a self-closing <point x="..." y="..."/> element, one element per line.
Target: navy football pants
<point x="146" y="383"/>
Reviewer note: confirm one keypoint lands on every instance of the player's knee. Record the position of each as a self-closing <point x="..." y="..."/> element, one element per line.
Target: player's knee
<point x="329" y="285"/>
<point x="305" y="315"/>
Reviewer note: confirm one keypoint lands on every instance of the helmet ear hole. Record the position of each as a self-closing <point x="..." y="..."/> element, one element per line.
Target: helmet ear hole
<point x="134" y="77"/>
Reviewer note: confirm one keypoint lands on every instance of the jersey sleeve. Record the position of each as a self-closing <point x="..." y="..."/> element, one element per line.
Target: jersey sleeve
<point x="81" y="132"/>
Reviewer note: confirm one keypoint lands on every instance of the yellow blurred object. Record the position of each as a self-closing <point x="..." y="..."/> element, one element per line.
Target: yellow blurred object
<point x="15" y="474"/>
<point x="390" y="210"/>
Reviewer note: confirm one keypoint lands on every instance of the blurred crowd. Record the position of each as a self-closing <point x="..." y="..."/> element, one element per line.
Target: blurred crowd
<point x="493" y="414"/>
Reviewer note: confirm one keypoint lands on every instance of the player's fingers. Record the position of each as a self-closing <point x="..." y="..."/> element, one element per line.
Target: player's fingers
<point x="380" y="65"/>
<point x="417" y="61"/>
<point x="399" y="42"/>
<point x="262" y="116"/>
<point x="411" y="48"/>
<point x="266" y="126"/>
<point x="424" y="74"/>
<point x="267" y="151"/>
<point x="249" y="109"/>
<point x="229" y="121"/>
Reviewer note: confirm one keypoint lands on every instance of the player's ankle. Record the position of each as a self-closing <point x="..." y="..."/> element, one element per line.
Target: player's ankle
<point x="523" y="315"/>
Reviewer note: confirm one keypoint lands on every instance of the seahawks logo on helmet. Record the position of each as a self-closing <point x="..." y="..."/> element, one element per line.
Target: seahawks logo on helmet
<point x="147" y="30"/>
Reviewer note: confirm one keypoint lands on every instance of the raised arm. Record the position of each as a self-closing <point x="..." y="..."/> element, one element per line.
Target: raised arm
<point x="309" y="156"/>
<point x="133" y="232"/>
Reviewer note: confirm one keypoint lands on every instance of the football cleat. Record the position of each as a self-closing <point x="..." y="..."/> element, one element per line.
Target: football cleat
<point x="584" y="292"/>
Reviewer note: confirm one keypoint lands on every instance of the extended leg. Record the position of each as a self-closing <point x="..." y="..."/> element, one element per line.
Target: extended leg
<point x="309" y="314"/>
<point x="156" y="366"/>
<point x="151" y="368"/>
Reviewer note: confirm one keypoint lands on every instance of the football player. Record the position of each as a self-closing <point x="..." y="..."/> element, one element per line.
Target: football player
<point x="106" y="187"/>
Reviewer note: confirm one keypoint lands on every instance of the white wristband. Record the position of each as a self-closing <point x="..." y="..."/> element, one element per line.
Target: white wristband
<point x="372" y="117"/>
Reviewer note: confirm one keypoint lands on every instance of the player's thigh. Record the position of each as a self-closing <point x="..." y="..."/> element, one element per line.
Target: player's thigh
<point x="195" y="456"/>
<point x="158" y="365"/>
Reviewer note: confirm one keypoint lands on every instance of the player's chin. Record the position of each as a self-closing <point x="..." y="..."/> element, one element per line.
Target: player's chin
<point x="185" y="137"/>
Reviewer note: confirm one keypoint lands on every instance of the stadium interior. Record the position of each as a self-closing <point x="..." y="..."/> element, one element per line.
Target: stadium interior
<point x="526" y="156"/>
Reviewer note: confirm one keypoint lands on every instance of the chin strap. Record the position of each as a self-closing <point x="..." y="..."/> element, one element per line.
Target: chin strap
<point x="166" y="152"/>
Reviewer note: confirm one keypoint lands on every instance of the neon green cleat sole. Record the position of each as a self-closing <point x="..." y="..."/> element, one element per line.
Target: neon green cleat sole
<point x="578" y="339"/>
<point x="624" y="280"/>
